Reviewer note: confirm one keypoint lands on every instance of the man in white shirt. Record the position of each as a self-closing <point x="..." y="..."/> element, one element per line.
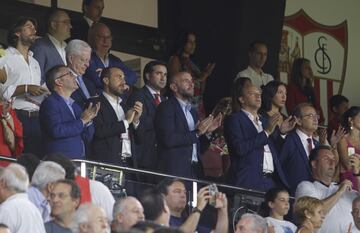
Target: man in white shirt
<point x="49" y="51"/>
<point x="355" y="228"/>
<point x="16" y="211"/>
<point x="337" y="199"/>
<point x="257" y="53"/>
<point x="22" y="74"/>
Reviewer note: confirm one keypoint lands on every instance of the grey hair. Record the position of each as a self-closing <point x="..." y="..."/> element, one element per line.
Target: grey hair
<point x="15" y="178"/>
<point x="47" y="172"/>
<point x="81" y="216"/>
<point x="76" y="47"/>
<point x="120" y="204"/>
<point x="258" y="222"/>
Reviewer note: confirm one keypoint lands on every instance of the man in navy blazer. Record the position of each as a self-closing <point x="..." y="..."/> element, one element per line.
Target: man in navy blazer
<point x="66" y="129"/>
<point x="178" y="129"/>
<point x="155" y="76"/>
<point x="298" y="144"/>
<point x="254" y="159"/>
<point x="100" y="39"/>
<point x="49" y="51"/>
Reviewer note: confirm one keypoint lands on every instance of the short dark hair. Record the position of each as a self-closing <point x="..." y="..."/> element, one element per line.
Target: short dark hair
<point x="12" y="39"/>
<point x="107" y="72"/>
<point x="314" y="153"/>
<point x="149" y="67"/>
<point x="30" y="162"/>
<point x="75" y="192"/>
<point x="298" y="109"/>
<point x="238" y="91"/>
<point x="153" y="202"/>
<point x="51" y="75"/>
<point x="65" y="162"/>
<point x="165" y="183"/>
<point x="168" y="230"/>
<point x="144" y="226"/>
<point x="2" y="225"/>
<point x="336" y="101"/>
<point x="253" y="44"/>
<point x="270" y="196"/>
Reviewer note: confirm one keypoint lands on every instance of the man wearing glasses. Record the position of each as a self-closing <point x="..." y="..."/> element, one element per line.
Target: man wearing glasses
<point x="66" y="128"/>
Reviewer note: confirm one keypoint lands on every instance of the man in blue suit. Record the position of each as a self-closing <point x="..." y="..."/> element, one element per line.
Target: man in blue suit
<point x="155" y="76"/>
<point x="298" y="144"/>
<point x="100" y="39"/>
<point x="178" y="129"/>
<point x="66" y="129"/>
<point x="254" y="159"/>
<point x="49" y="51"/>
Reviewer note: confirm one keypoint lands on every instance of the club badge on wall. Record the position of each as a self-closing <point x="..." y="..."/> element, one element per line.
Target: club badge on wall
<point x="326" y="46"/>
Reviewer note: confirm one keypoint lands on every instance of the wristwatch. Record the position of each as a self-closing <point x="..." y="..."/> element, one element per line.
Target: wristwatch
<point x="196" y="210"/>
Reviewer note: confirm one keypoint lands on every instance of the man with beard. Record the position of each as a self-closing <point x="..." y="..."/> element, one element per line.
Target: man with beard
<point x="115" y="125"/>
<point x="22" y="77"/>
<point x="66" y="128"/>
<point x="64" y="200"/>
<point x="178" y="130"/>
<point x="337" y="198"/>
<point x="155" y="76"/>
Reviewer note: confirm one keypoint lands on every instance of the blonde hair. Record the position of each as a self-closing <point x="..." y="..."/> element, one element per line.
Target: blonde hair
<point x="305" y="203"/>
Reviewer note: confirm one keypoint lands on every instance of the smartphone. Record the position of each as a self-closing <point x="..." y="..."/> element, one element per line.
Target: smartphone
<point x="93" y="99"/>
<point x="213" y="191"/>
<point x="351" y="151"/>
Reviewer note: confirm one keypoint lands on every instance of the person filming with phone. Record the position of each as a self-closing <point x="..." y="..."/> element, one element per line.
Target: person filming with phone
<point x="175" y="193"/>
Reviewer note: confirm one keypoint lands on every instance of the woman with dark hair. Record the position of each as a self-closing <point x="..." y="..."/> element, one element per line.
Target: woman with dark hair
<point x="301" y="87"/>
<point x="349" y="144"/>
<point x="273" y="98"/>
<point x="275" y="206"/>
<point x="181" y="61"/>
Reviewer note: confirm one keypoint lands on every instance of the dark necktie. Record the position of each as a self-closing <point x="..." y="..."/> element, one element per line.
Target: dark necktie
<point x="157" y="99"/>
<point x="310" y="147"/>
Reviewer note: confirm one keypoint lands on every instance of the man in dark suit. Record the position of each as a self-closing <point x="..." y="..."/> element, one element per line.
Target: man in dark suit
<point x="92" y="10"/>
<point x="49" y="51"/>
<point x="100" y="39"/>
<point x="78" y="56"/>
<point x="298" y="144"/>
<point x="178" y="130"/>
<point x="114" y="125"/>
<point x="66" y="129"/>
<point x="155" y="76"/>
<point x="254" y="160"/>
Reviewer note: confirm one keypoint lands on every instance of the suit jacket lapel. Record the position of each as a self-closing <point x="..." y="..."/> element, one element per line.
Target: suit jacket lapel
<point x="53" y="49"/>
<point x="149" y="96"/>
<point x="301" y="149"/>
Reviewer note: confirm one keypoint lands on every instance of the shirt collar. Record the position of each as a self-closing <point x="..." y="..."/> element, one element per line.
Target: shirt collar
<point x="89" y="21"/>
<point x="112" y="99"/>
<point x="302" y="135"/>
<point x="152" y="91"/>
<point x="184" y="104"/>
<point x="13" y="50"/>
<point x="69" y="101"/>
<point x="254" y="72"/>
<point x="61" y="44"/>
<point x="251" y="116"/>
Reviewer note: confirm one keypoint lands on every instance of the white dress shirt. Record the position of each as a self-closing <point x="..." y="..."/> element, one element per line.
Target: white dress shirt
<point x="257" y="79"/>
<point x="303" y="137"/>
<point x="60" y="47"/>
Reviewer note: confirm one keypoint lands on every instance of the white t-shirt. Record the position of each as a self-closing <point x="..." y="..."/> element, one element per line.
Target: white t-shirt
<point x="354" y="229"/>
<point x="256" y="79"/>
<point x="339" y="217"/>
<point x="281" y="226"/>
<point x="20" y="215"/>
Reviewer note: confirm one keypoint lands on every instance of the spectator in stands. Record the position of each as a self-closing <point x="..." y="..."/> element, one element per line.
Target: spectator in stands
<point x="92" y="10"/>
<point x="155" y="76"/>
<point x="301" y="87"/>
<point x="41" y="184"/>
<point x="351" y="123"/>
<point x="22" y="74"/>
<point x="181" y="61"/>
<point x="11" y="132"/>
<point x="30" y="162"/>
<point x="155" y="206"/>
<point x="355" y="228"/>
<point x="175" y="196"/>
<point x="64" y="200"/>
<point x="65" y="127"/>
<point x="338" y="104"/>
<point x="16" y="211"/>
<point x="126" y="213"/>
<point x="273" y="99"/>
<point x="90" y="218"/>
<point x="251" y="223"/>
<point x="250" y="142"/>
<point x="309" y="214"/>
<point x="49" y="51"/>
<point x="115" y="125"/>
<point x="275" y="206"/>
<point x="4" y="228"/>
<point x="257" y="53"/>
<point x="78" y="56"/>
<point x="100" y="39"/>
<point x="337" y="199"/>
<point x="145" y="226"/>
<point x="178" y="129"/>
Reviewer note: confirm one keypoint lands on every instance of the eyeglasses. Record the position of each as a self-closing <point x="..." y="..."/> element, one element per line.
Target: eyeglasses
<point x="63" y="75"/>
<point x="311" y="115"/>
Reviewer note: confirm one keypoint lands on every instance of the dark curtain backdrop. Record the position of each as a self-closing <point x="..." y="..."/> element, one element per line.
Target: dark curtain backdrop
<point x="224" y="30"/>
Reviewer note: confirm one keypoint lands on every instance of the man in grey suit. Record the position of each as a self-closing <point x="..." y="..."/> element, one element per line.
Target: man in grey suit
<point x="49" y="51"/>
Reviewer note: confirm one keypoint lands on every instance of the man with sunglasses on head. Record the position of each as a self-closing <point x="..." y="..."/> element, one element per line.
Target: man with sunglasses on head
<point x="66" y="128"/>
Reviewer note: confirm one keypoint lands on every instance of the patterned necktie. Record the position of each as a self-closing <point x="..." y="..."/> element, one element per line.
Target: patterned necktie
<point x="310" y="147"/>
<point x="157" y="99"/>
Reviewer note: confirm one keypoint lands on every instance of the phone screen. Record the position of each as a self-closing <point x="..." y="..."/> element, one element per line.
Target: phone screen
<point x="351" y="151"/>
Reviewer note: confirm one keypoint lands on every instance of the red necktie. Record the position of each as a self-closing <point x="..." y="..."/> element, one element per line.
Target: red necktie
<point x="157" y="99"/>
<point x="310" y="147"/>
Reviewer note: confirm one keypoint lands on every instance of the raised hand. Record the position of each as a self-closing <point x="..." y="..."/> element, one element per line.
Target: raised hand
<point x="138" y="108"/>
<point x="203" y="125"/>
<point x="337" y="136"/>
<point x="36" y="90"/>
<point x="215" y="123"/>
<point x="287" y="125"/>
<point x="273" y="122"/>
<point x="90" y="113"/>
